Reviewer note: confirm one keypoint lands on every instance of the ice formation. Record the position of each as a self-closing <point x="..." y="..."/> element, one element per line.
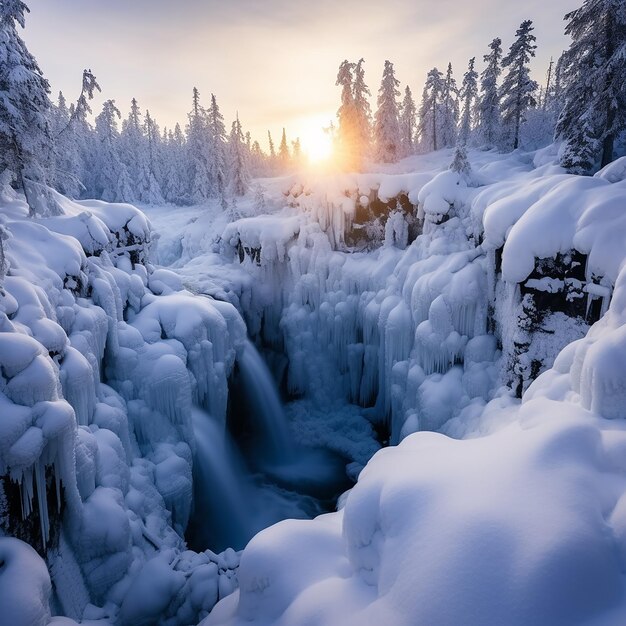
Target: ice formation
<point x="394" y="303"/>
<point x="102" y="357"/>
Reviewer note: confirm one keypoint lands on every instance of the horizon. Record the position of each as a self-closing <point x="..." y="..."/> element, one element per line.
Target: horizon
<point x="281" y="96"/>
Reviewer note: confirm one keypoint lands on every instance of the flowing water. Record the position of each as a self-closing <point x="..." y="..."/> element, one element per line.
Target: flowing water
<point x="241" y="489"/>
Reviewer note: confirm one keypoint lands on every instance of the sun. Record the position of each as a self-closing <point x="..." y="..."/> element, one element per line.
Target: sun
<point x="317" y="143"/>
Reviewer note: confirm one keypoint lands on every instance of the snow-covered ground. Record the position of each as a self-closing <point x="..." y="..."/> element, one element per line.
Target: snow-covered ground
<point x="420" y="326"/>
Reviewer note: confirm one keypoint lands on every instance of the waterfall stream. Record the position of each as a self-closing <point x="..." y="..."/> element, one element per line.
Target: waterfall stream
<point x="241" y="489"/>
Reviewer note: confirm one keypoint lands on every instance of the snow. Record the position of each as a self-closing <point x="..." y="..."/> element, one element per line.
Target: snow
<point x="78" y="306"/>
<point x="484" y="509"/>
<point x="424" y="540"/>
<point x="25" y="587"/>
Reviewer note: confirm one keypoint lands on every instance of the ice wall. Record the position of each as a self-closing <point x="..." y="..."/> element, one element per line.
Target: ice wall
<point x="506" y="266"/>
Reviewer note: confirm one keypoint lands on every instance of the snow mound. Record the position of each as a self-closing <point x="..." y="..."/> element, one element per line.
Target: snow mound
<point x="513" y="532"/>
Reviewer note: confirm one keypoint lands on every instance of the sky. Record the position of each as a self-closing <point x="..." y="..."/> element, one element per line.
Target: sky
<point x="274" y="62"/>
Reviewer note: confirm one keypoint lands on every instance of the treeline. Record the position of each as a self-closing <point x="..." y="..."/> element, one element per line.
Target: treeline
<point x="582" y="103"/>
<point x="117" y="160"/>
<point x="133" y="160"/>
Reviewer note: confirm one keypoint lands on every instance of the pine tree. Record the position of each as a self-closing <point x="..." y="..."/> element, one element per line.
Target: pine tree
<point x="362" y="113"/>
<point x="460" y="163"/>
<point x="154" y="194"/>
<point x="113" y="182"/>
<point x="67" y="166"/>
<point x="450" y="110"/>
<point x="284" y="158"/>
<point x="25" y="139"/>
<point x="217" y="138"/>
<point x="580" y="152"/>
<point x="271" y="145"/>
<point x="198" y="157"/>
<point x="133" y="151"/>
<point x="173" y="188"/>
<point x="469" y="92"/>
<point x="346" y="130"/>
<point x="408" y="113"/>
<point x="75" y="145"/>
<point x="296" y="152"/>
<point x="258" y="160"/>
<point x="386" y="125"/>
<point x="594" y="73"/>
<point x="239" y="175"/>
<point x="518" y="89"/>
<point x="431" y="111"/>
<point x="488" y="107"/>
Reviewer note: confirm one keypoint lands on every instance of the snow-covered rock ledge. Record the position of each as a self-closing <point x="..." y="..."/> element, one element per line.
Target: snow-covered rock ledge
<point x="101" y="359"/>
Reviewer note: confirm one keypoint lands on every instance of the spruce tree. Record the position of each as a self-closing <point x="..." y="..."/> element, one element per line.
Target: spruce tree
<point x="133" y="151"/>
<point x="362" y="113"/>
<point x="594" y="75"/>
<point x="460" y="163"/>
<point x="488" y="107"/>
<point x="217" y="138"/>
<point x="346" y="129"/>
<point x="431" y="111"/>
<point x="407" y="123"/>
<point x="238" y="172"/>
<point x="153" y="195"/>
<point x="67" y="167"/>
<point x="112" y="180"/>
<point x="284" y="158"/>
<point x="518" y="89"/>
<point x="198" y="155"/>
<point x="450" y="110"/>
<point x="386" y="123"/>
<point x="25" y="138"/>
<point x="469" y="92"/>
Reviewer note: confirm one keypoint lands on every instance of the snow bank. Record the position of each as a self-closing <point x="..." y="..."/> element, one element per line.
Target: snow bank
<point x="102" y="358"/>
<point x="514" y="531"/>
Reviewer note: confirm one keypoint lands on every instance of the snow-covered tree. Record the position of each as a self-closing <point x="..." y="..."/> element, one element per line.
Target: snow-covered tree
<point x="284" y="158"/>
<point x="579" y="154"/>
<point x="239" y="174"/>
<point x="387" y="137"/>
<point x="460" y="162"/>
<point x="594" y="73"/>
<point x="25" y="138"/>
<point x="296" y="152"/>
<point x="112" y="180"/>
<point x="174" y="174"/>
<point x="488" y="107"/>
<point x="431" y="111"/>
<point x="217" y="159"/>
<point x="469" y="92"/>
<point x="517" y="93"/>
<point x="346" y="131"/>
<point x="450" y="111"/>
<point x="272" y="149"/>
<point x="153" y="193"/>
<point x="258" y="160"/>
<point x="362" y="113"/>
<point x="198" y="156"/>
<point x="133" y="150"/>
<point x="67" y="166"/>
<point x="408" y="114"/>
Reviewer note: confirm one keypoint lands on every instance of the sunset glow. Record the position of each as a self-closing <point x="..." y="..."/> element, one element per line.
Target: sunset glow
<point x="316" y="141"/>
